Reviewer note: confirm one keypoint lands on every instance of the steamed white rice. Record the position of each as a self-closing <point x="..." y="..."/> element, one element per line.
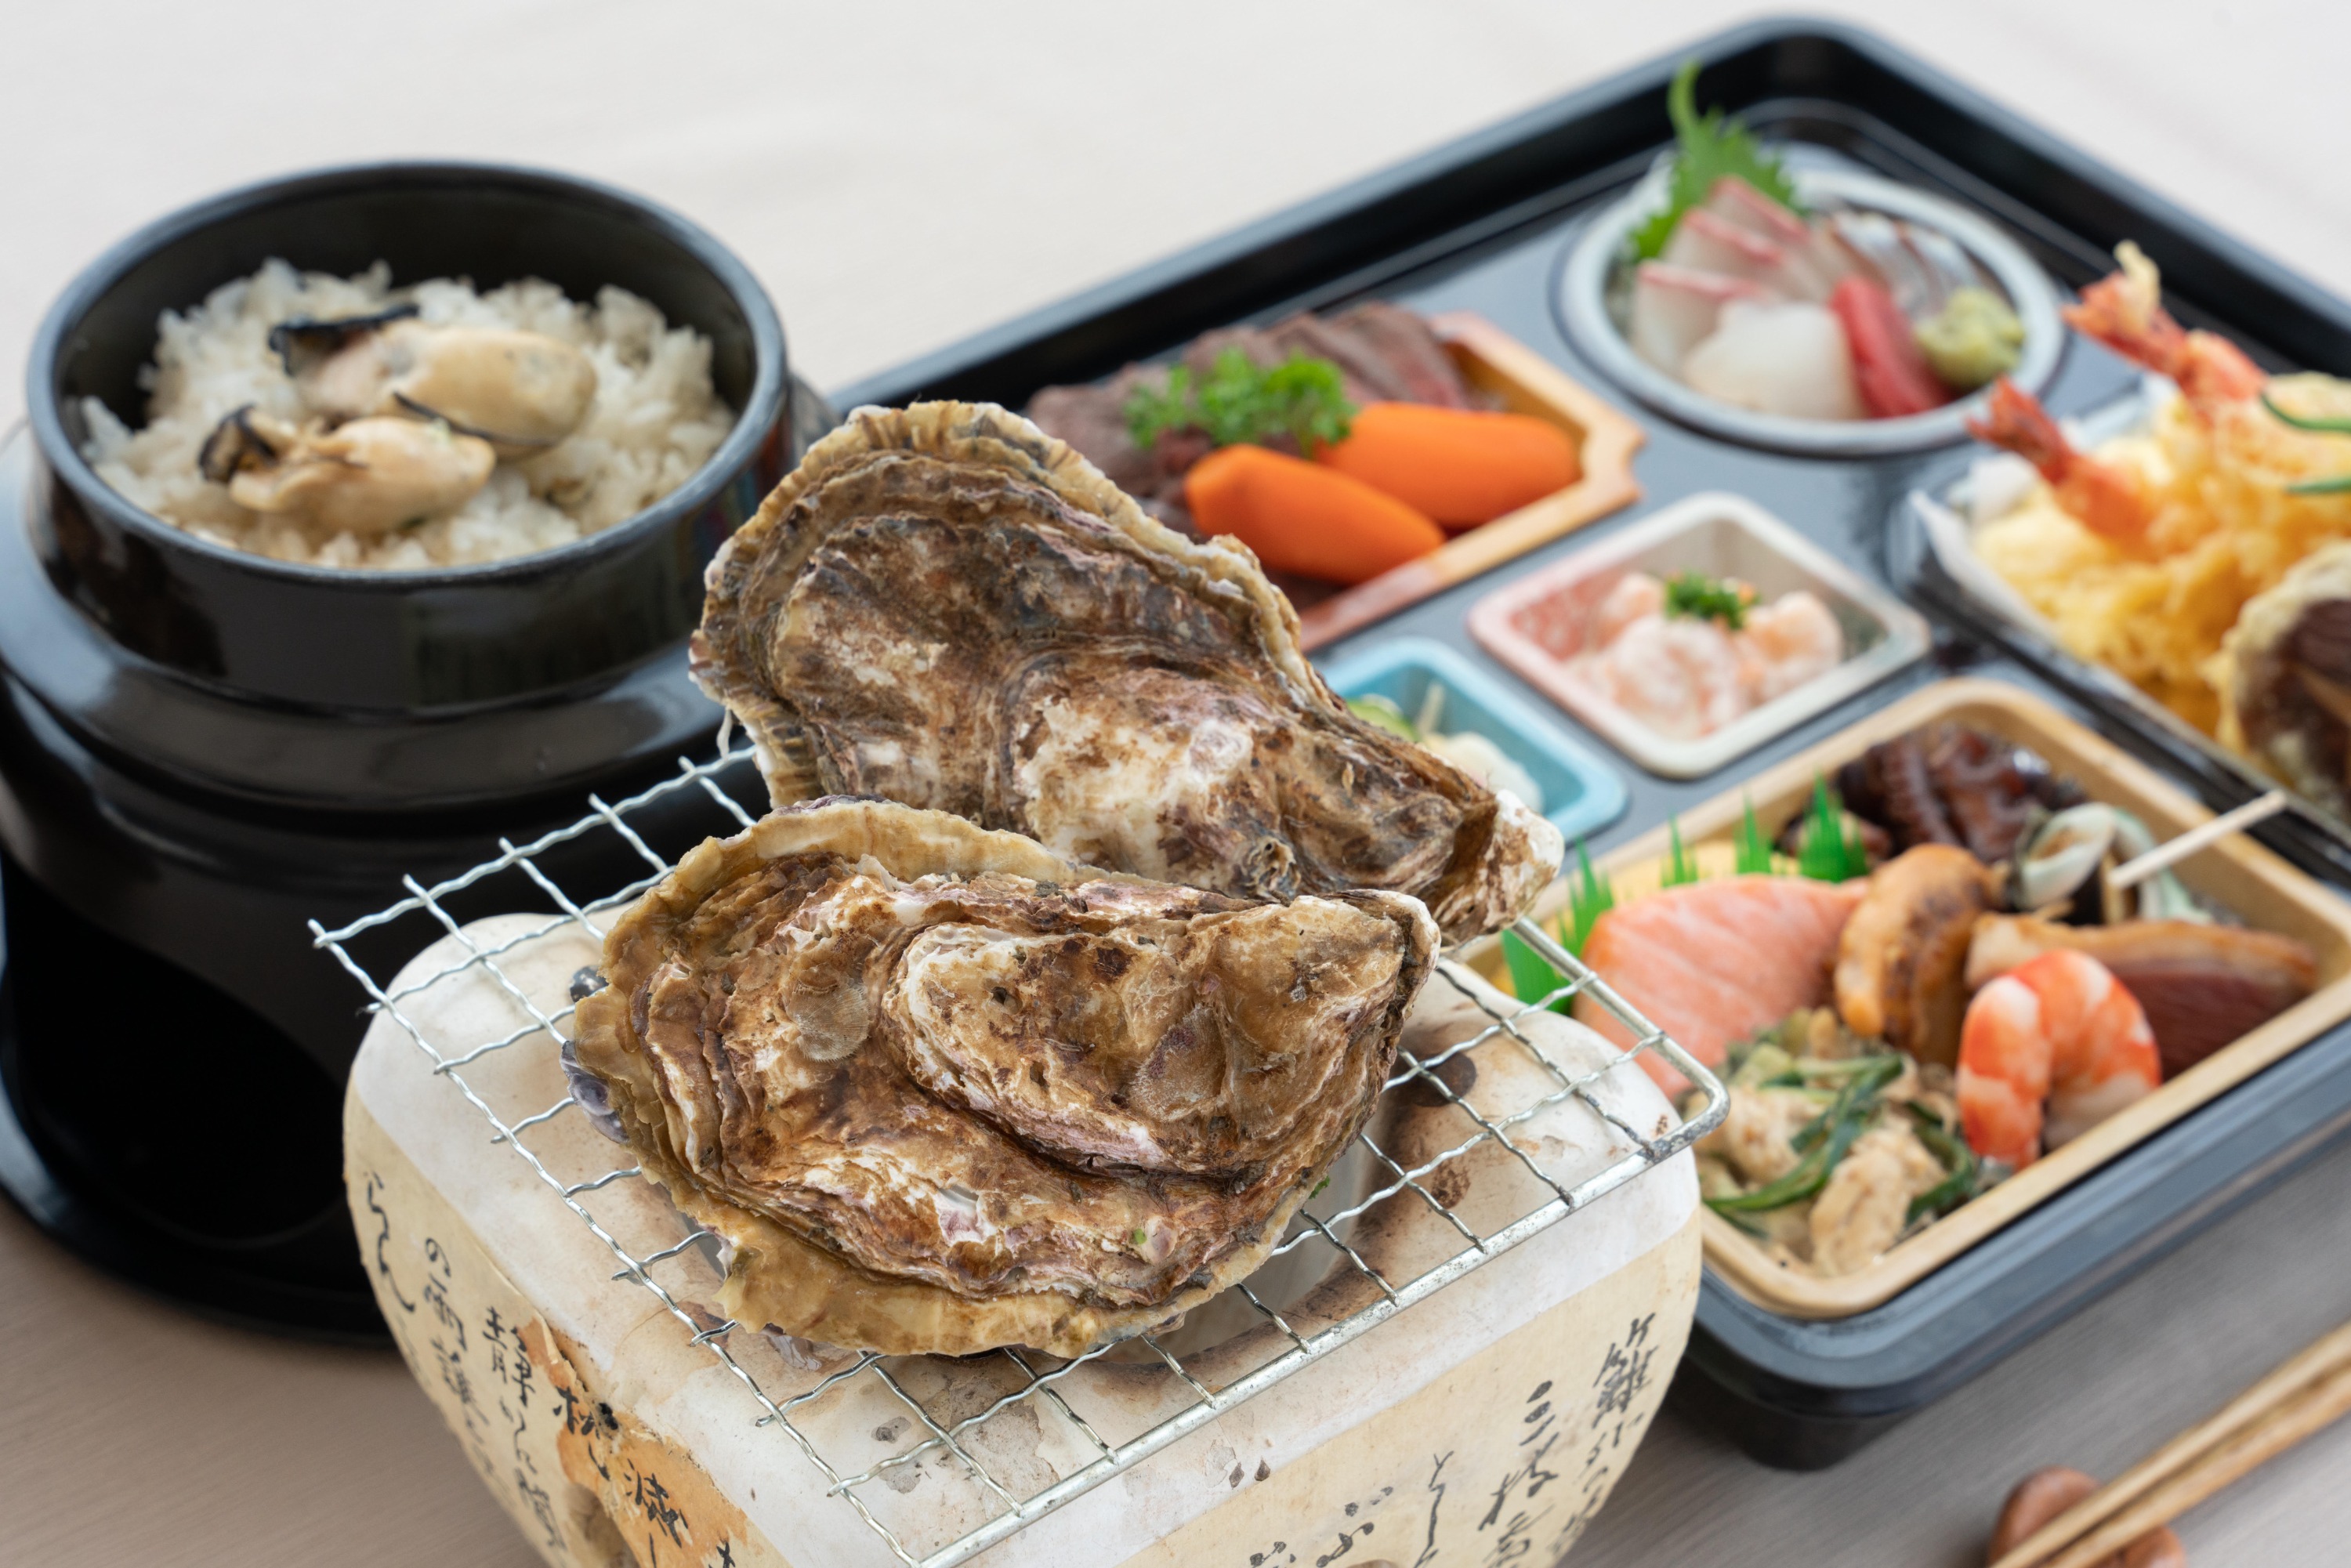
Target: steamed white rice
<point x="654" y="421"/>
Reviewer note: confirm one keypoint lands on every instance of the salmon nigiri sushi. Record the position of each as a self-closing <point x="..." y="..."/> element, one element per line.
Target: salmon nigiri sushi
<point x="1713" y="962"/>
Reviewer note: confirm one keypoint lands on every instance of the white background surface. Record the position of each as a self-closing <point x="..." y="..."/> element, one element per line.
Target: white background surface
<point x="900" y="175"/>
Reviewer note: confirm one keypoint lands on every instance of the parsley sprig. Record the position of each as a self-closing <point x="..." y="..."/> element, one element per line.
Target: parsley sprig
<point x="1697" y="597"/>
<point x="1241" y="400"/>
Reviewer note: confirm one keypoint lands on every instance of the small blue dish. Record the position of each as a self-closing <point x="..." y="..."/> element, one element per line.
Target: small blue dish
<point x="1581" y="793"/>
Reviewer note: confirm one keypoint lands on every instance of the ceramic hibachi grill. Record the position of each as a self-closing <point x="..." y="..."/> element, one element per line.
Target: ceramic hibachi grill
<point x="1452" y="1354"/>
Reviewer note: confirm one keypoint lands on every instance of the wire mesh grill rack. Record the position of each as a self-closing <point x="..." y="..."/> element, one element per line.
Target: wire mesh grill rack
<point x="515" y="873"/>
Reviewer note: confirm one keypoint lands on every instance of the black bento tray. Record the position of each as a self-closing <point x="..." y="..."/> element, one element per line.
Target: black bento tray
<point x="1482" y="225"/>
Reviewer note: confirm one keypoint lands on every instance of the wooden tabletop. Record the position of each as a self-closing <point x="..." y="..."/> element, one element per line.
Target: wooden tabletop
<point x="899" y="178"/>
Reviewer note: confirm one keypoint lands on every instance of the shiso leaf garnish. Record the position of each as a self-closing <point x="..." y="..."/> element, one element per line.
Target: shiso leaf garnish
<point x="1240" y="400"/>
<point x="1712" y="147"/>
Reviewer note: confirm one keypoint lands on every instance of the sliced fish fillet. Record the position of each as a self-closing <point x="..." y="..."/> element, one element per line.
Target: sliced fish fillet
<point x="1714" y="962"/>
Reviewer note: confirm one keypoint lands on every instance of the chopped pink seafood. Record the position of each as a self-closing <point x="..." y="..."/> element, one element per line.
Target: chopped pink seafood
<point x="1687" y="677"/>
<point x="1786" y="642"/>
<point x="1633" y="595"/>
<point x="1674" y="308"/>
<point x="1679" y="677"/>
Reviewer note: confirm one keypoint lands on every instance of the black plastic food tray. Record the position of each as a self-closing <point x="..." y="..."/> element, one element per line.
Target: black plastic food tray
<point x="1482" y="225"/>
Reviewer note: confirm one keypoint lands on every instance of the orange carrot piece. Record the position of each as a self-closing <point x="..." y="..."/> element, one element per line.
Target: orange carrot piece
<point x="1313" y="522"/>
<point x="1461" y="467"/>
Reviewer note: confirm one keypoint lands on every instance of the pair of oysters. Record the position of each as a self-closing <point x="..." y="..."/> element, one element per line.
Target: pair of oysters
<point x="1078" y="944"/>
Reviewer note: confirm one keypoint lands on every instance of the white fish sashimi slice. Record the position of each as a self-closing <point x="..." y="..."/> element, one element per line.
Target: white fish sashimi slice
<point x="1789" y="358"/>
<point x="1736" y="201"/>
<point x="1705" y="242"/>
<point x="1675" y="307"/>
<point x="1875" y="240"/>
<point x="1831" y="260"/>
<point x="1944" y="261"/>
<point x="1814" y="250"/>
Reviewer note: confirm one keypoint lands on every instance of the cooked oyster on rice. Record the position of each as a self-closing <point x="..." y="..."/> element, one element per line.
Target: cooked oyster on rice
<point x="945" y="607"/>
<point x="359" y="477"/>
<point x="943" y="1091"/>
<point x="520" y="391"/>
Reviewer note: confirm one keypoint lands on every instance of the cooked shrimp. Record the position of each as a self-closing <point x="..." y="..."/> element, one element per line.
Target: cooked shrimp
<point x="1635" y="594"/>
<point x="2124" y="311"/>
<point x="2049" y="1050"/>
<point x="2109" y="500"/>
<point x="1785" y="643"/>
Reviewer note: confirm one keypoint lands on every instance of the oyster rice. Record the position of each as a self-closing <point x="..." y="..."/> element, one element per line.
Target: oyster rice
<point x="344" y="422"/>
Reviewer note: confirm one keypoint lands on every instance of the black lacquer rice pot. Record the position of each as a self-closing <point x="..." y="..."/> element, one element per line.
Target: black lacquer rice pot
<point x="201" y="748"/>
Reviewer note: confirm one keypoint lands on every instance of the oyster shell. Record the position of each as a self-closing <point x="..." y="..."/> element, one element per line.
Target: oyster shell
<point x="943" y="1091"/>
<point x="946" y="607"/>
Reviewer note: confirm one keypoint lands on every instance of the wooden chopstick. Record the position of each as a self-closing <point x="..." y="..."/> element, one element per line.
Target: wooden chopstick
<point x="2300" y="1397"/>
<point x="2165" y="855"/>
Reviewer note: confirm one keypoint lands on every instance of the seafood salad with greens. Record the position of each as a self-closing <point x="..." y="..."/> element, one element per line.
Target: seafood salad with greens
<point x="1923" y="982"/>
<point x="1739" y="290"/>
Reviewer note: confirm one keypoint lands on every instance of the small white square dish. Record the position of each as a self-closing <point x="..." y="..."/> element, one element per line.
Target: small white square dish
<point x="1544" y="627"/>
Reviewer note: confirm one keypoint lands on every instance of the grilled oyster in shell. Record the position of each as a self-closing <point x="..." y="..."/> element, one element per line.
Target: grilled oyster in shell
<point x="946" y="607"/>
<point x="944" y="1091"/>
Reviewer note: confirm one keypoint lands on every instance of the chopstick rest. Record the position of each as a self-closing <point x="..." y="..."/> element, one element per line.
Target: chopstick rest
<point x="2302" y="1395"/>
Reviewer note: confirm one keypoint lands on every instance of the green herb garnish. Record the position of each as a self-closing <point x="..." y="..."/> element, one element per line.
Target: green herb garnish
<point x="1831" y="850"/>
<point x="1751" y="849"/>
<point x="2334" y="485"/>
<point x="1712" y="147"/>
<point x="1694" y="596"/>
<point x="2304" y="420"/>
<point x="1957" y="1158"/>
<point x="1681" y="866"/>
<point x="1858" y="1097"/>
<point x="1240" y="400"/>
<point x="1806" y="1177"/>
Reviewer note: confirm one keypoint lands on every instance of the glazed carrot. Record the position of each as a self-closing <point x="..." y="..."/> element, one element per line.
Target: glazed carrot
<point x="1302" y="519"/>
<point x="1461" y="467"/>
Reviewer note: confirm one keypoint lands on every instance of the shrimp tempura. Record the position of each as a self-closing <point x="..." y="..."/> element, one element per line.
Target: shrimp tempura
<point x="2124" y="311"/>
<point x="2108" y="499"/>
